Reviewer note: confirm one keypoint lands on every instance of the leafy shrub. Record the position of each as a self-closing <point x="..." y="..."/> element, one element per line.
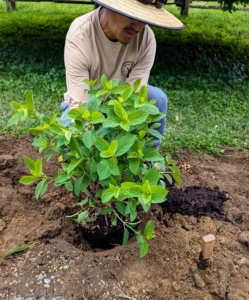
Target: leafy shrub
<point x="106" y="150"/>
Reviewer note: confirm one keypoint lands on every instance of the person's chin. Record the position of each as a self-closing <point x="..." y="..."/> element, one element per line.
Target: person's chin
<point x="125" y="41"/>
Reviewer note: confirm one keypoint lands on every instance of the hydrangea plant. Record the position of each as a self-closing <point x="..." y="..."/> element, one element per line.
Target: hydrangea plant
<point x="106" y="153"/>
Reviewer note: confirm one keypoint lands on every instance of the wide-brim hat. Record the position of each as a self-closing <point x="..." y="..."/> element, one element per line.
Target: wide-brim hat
<point x="147" y="13"/>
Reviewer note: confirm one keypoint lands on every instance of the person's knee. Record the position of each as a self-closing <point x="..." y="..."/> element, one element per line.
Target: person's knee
<point x="160" y="97"/>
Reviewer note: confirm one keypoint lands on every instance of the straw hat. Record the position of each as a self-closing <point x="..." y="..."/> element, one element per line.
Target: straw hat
<point x="147" y="13"/>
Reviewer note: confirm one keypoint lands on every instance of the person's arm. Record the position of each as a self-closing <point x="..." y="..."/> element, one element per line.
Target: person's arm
<point x="77" y="69"/>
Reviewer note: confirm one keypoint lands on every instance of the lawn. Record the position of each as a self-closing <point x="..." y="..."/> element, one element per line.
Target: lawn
<point x="203" y="69"/>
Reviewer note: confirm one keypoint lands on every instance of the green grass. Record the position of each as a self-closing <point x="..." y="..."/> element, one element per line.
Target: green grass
<point x="204" y="70"/>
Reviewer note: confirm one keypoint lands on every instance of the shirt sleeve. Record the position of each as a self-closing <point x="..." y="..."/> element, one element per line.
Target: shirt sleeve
<point x="145" y="60"/>
<point x="77" y="69"/>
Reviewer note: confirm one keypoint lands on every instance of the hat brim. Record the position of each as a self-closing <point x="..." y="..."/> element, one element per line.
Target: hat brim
<point x="148" y="14"/>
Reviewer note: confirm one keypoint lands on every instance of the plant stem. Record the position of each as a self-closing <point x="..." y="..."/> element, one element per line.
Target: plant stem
<point x="125" y="224"/>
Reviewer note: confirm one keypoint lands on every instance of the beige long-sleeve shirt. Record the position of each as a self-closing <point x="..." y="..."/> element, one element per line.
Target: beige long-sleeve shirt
<point x="89" y="54"/>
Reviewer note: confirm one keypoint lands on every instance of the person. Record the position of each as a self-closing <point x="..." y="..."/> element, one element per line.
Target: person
<point x="115" y="39"/>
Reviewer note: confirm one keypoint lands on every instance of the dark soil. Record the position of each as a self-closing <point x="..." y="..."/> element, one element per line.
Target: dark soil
<point x="101" y="234"/>
<point x="60" y="264"/>
<point x="196" y="201"/>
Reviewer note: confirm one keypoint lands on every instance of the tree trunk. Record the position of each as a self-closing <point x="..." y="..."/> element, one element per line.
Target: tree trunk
<point x="11" y="5"/>
<point x="185" y="8"/>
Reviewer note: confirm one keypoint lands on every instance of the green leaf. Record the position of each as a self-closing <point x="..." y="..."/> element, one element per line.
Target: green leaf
<point x="106" y="154"/>
<point x="177" y="178"/>
<point x="113" y="147"/>
<point x="69" y="186"/>
<point x="126" y="94"/>
<point x="125" y="142"/>
<point x="103" y="80"/>
<point x="97" y="117"/>
<point x="101" y="93"/>
<point x="38" y="167"/>
<point x="106" y="210"/>
<point x="77" y="185"/>
<point x="101" y="143"/>
<point x="29" y="102"/>
<point x="74" y="146"/>
<point x="16" y="106"/>
<point x="62" y="178"/>
<point x="129" y="185"/>
<point x="30" y="163"/>
<point x="89" y="138"/>
<point x="107" y="195"/>
<point x="155" y="133"/>
<point x="169" y="178"/>
<point x="143" y="92"/>
<point x="38" y="129"/>
<point x="68" y="135"/>
<point x="14" y="119"/>
<point x="91" y="165"/>
<point x="121" y="208"/>
<point x="128" y="175"/>
<point x="120" y="112"/>
<point x="149" y="230"/>
<point x="91" y="83"/>
<point x="144" y="247"/>
<point x="158" y="193"/>
<point x="133" y="215"/>
<point x="111" y="122"/>
<point x="154" y="118"/>
<point x="152" y="176"/>
<point x="18" y="249"/>
<point x="125" y="237"/>
<point x="137" y="84"/>
<point x="158" y="201"/>
<point x="154" y="156"/>
<point x="56" y="128"/>
<point x="114" y="222"/>
<point x="74" y="113"/>
<point x="145" y="206"/>
<point x="41" y="188"/>
<point x="117" y="90"/>
<point x="155" y="125"/>
<point x="150" y="109"/>
<point x="175" y="169"/>
<point x="103" y="169"/>
<point x="137" y="117"/>
<point x="135" y="155"/>
<point x="26" y="180"/>
<point x="125" y="125"/>
<point x="38" y="143"/>
<point x="82" y="217"/>
<point x="73" y="164"/>
<point x="134" y="164"/>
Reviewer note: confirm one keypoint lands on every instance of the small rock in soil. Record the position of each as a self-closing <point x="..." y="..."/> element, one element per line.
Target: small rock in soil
<point x="198" y="281"/>
<point x="244" y="237"/>
<point x="176" y="287"/>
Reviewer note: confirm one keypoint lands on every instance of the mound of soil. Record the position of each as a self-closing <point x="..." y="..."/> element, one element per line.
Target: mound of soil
<point x="60" y="264"/>
<point x="195" y="201"/>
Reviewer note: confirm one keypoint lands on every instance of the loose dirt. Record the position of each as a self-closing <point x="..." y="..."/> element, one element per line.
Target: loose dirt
<point x="213" y="199"/>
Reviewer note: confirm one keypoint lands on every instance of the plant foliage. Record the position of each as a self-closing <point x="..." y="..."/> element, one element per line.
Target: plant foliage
<point x="106" y="150"/>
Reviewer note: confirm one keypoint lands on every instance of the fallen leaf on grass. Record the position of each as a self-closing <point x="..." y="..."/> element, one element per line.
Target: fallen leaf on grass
<point x="17" y="249"/>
